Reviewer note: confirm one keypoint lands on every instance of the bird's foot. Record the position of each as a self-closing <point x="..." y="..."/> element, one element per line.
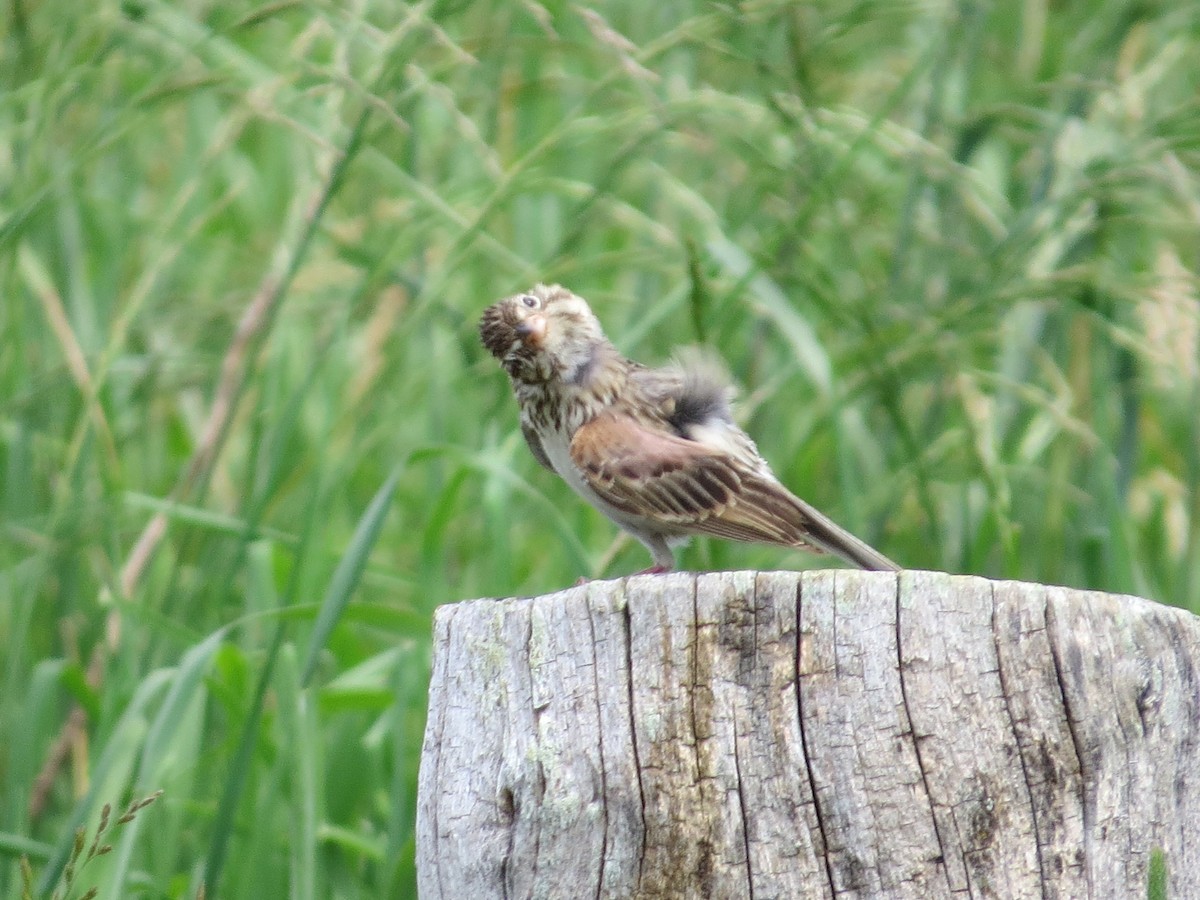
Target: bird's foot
<point x="654" y="570"/>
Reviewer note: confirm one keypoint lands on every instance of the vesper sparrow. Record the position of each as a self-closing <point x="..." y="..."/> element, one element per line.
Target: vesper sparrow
<point x="655" y="450"/>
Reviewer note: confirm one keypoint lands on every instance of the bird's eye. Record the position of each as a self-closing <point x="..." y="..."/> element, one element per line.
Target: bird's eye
<point x="530" y="301"/>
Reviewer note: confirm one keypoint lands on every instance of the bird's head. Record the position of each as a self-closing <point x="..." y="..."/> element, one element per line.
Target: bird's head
<point x="542" y="334"/>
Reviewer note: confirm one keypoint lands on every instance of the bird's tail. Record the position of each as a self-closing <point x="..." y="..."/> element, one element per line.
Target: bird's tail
<point x="827" y="535"/>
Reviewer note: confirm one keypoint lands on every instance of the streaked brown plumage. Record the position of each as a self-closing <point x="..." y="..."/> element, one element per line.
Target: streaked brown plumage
<point x="655" y="450"/>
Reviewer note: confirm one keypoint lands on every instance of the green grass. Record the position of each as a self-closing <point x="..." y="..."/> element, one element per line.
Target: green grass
<point x="947" y="250"/>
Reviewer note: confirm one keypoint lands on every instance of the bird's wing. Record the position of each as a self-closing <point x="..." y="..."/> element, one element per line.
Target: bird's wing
<point x="535" y="446"/>
<point x="652" y="473"/>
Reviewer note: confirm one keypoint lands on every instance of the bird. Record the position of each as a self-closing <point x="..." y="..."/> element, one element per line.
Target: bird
<point x="656" y="450"/>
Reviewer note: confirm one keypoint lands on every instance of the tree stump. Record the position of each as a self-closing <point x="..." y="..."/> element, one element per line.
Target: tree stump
<point x="794" y="735"/>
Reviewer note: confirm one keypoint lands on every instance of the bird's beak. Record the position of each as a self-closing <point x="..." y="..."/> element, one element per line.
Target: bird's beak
<point x="532" y="330"/>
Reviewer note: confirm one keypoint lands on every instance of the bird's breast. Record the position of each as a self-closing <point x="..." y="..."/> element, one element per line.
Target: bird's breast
<point x="559" y="408"/>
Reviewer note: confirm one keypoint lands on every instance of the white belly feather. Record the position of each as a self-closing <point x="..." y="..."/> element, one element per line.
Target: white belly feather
<point x="557" y="447"/>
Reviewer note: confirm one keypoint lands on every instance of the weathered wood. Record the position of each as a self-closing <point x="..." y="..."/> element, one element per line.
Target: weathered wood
<point x="809" y="735"/>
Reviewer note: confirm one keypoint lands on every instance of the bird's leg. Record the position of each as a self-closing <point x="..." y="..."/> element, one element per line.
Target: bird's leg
<point x="660" y="551"/>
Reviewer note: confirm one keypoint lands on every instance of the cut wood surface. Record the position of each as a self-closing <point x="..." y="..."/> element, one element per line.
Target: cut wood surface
<point x="817" y="734"/>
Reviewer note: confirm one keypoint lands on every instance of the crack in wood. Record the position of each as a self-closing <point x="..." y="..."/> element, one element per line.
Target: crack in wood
<point x="804" y="745"/>
<point x="1088" y="801"/>
<point x="1005" y="693"/>
<point x="627" y="621"/>
<point x="921" y="767"/>
<point x="602" y="862"/>
<point x="741" y="798"/>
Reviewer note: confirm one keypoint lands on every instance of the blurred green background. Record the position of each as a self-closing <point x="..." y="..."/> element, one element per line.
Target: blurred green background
<point x="249" y="441"/>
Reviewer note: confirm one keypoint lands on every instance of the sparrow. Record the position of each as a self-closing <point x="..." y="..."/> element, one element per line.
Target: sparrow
<point x="656" y="450"/>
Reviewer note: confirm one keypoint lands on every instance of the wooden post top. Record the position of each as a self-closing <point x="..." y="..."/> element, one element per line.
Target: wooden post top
<point x="787" y="734"/>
